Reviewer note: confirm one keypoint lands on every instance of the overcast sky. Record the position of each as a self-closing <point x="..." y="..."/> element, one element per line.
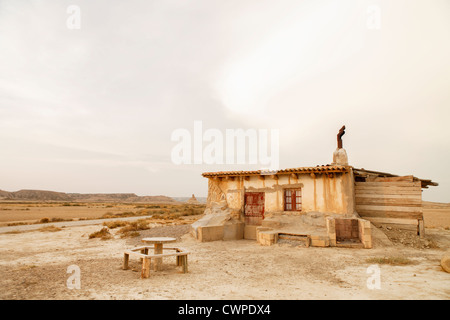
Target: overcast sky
<point x="93" y="109"/>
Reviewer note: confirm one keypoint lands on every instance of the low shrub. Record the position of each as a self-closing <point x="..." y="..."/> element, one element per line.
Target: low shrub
<point x="393" y="261"/>
<point x="103" y="234"/>
<point x="115" y="224"/>
<point x="131" y="228"/>
<point x="49" y="229"/>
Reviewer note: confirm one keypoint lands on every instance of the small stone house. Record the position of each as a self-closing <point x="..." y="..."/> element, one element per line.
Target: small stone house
<point x="327" y="205"/>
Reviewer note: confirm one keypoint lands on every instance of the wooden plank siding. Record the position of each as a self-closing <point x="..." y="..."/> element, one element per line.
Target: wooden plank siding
<point x="386" y="199"/>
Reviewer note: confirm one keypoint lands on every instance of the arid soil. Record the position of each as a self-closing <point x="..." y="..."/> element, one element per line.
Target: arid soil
<point x="32" y="212"/>
<point x="436" y="215"/>
<point x="34" y="265"/>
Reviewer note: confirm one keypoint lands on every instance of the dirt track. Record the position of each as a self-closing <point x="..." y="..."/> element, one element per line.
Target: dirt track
<point x="29" y="227"/>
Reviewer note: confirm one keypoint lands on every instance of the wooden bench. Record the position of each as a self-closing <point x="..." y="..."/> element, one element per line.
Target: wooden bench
<point x="143" y="253"/>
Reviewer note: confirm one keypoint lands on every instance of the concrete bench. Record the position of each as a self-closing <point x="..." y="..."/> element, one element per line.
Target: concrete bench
<point x="143" y="253"/>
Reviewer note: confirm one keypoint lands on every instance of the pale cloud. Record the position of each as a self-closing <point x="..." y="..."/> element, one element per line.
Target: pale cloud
<point x="297" y="49"/>
<point x="103" y="101"/>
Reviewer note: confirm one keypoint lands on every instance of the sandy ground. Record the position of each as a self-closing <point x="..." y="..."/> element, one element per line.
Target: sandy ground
<point x="33" y="265"/>
<point x="436" y="215"/>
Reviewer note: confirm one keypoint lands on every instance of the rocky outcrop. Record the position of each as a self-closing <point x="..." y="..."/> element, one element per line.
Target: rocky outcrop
<point x="193" y="200"/>
<point x="219" y="223"/>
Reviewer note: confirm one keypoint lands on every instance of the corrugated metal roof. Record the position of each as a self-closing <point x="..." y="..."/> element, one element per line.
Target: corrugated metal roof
<point x="327" y="168"/>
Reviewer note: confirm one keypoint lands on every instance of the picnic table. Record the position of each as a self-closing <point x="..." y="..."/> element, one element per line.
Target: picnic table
<point x="158" y="243"/>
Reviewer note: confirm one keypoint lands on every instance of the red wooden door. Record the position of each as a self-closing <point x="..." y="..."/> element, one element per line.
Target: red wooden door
<point x="254" y="208"/>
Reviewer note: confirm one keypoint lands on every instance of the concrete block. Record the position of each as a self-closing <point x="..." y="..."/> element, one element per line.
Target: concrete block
<point x="331" y="226"/>
<point x="233" y="231"/>
<point x="320" y="241"/>
<point x="210" y="233"/>
<point x="260" y="229"/>
<point x="250" y="232"/>
<point x="267" y="238"/>
<point x="318" y="237"/>
<point x="367" y="244"/>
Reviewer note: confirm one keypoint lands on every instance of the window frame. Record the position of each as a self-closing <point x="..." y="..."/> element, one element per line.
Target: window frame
<point x="293" y="204"/>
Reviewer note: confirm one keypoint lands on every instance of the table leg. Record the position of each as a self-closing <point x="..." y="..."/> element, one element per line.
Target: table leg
<point x="185" y="263"/>
<point x="145" y="273"/>
<point x="158" y="261"/>
<point x="126" y="258"/>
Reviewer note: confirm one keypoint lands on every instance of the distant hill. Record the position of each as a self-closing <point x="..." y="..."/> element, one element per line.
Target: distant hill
<point x="101" y="196"/>
<point x="38" y="195"/>
<point x="43" y="195"/>
<point x="4" y="194"/>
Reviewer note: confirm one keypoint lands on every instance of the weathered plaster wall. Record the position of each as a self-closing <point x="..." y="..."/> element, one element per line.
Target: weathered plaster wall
<point x="327" y="193"/>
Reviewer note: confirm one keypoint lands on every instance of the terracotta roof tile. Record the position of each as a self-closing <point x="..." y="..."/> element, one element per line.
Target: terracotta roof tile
<point x="327" y="168"/>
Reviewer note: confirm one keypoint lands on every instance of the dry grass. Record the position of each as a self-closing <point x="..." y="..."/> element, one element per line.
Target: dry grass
<point x="13" y="224"/>
<point x="124" y="214"/>
<point x="49" y="229"/>
<point x="40" y="221"/>
<point x="103" y="234"/>
<point x="160" y="211"/>
<point x="393" y="261"/>
<point x="131" y="228"/>
<point x="115" y="224"/>
<point x="55" y="219"/>
<point x="127" y="229"/>
<point x="14" y="232"/>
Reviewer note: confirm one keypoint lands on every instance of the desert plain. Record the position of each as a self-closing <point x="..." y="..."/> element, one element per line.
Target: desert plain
<point x="35" y="263"/>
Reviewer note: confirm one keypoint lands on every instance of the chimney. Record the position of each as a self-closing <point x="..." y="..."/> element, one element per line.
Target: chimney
<point x="340" y="155"/>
